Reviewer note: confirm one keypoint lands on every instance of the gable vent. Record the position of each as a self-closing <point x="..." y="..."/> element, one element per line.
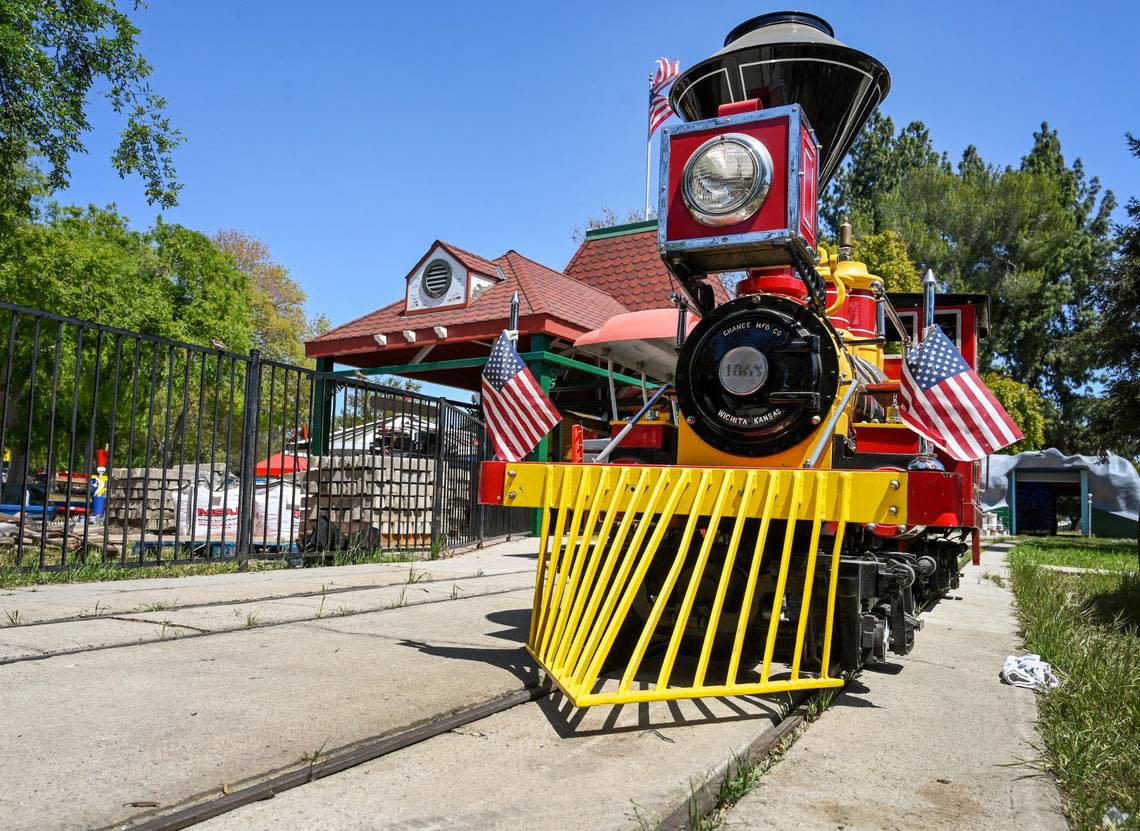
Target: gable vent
<point x="437" y="278"/>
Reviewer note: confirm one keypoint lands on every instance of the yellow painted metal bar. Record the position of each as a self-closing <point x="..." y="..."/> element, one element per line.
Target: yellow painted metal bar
<point x="544" y="537"/>
<point x="574" y="588"/>
<point x="613" y="553"/>
<point x="585" y="589"/>
<point x="568" y="479"/>
<point x="605" y="496"/>
<point x="602" y="637"/>
<point x="753" y="573"/>
<point x="877" y="496"/>
<point x="841" y="528"/>
<point x="809" y="574"/>
<point x="682" y="485"/>
<point x="782" y="579"/>
<point x="666" y="590"/>
<point x="694" y="582"/>
<point x="725" y="574"/>
<point x="675" y="693"/>
<point x="556" y="606"/>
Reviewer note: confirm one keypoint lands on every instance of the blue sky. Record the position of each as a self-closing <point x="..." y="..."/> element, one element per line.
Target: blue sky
<point x="349" y="136"/>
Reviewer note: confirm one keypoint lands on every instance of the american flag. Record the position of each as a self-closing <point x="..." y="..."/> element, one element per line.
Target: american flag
<point x="944" y="400"/>
<point x="659" y="108"/>
<point x="518" y="413"/>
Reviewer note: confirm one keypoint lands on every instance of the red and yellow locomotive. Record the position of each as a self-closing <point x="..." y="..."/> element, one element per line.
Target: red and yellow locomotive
<point x="801" y="526"/>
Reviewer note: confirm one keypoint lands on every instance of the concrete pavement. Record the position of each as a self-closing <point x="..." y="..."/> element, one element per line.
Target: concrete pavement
<point x="95" y="737"/>
<point x="937" y="742"/>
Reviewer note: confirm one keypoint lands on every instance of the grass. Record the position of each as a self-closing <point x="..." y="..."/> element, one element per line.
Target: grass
<point x="1088" y="627"/>
<point x="1079" y="552"/>
<point x="11" y="577"/>
<point x="741" y="779"/>
<point x="356" y="558"/>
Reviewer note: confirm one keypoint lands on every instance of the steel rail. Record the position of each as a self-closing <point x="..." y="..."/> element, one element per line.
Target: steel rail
<point x="221" y="802"/>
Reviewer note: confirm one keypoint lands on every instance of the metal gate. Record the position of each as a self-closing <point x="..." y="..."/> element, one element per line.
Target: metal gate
<point x="124" y="448"/>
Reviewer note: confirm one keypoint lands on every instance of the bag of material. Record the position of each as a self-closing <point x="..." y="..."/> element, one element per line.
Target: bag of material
<point x="1029" y="671"/>
<point x="277" y="512"/>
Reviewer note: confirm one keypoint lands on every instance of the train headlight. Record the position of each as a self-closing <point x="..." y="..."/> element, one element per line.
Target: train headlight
<point x="727" y="179"/>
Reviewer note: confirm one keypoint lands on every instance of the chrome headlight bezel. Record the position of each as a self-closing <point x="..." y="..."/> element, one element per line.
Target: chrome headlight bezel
<point x="741" y="208"/>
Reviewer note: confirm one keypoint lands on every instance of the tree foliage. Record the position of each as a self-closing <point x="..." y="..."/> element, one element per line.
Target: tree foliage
<point x="886" y="256"/>
<point x="278" y="302"/>
<point x="88" y="263"/>
<point x="1117" y="339"/>
<point x="53" y="55"/>
<point x="1032" y="237"/>
<point x="608" y="218"/>
<point x="1025" y="407"/>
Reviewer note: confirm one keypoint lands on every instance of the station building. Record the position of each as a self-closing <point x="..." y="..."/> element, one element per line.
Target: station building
<point x="456" y="303"/>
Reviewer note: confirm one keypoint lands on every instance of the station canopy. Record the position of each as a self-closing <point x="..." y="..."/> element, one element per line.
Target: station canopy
<point x="456" y="303"/>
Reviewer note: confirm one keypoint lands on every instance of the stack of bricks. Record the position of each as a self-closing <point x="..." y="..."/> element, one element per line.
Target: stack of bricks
<point x="149" y="499"/>
<point x="386" y="500"/>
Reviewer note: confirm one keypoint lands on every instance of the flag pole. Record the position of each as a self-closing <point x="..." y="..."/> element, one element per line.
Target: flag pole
<point x="648" y="146"/>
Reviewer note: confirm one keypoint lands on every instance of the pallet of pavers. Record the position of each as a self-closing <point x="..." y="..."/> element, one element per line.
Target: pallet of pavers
<point x="383" y="500"/>
<point x="150" y="499"/>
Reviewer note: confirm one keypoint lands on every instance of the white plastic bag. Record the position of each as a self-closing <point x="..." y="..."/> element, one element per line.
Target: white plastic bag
<point x="205" y="512"/>
<point x="277" y="512"/>
<point x="1029" y="671"/>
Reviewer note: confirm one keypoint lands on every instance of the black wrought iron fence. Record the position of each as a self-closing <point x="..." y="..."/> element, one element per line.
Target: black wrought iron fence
<point x="120" y="447"/>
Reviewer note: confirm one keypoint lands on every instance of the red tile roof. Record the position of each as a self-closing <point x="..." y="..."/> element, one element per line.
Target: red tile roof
<point x="473" y="261"/>
<point x="628" y="267"/>
<point x="542" y="291"/>
<point x="614" y="271"/>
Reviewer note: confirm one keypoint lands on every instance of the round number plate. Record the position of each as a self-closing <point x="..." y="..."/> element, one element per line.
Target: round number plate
<point x="743" y="370"/>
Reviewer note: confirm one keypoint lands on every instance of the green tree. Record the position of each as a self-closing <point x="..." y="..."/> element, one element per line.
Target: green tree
<point x="1032" y="237"/>
<point x="53" y="55"/>
<point x="279" y="324"/>
<point x="1024" y="405"/>
<point x="169" y="282"/>
<point x="879" y="160"/>
<point x="1117" y="339"/>
<point x="886" y="256"/>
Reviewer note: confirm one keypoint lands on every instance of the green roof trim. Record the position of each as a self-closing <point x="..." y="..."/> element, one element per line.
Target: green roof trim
<point x="622" y="230"/>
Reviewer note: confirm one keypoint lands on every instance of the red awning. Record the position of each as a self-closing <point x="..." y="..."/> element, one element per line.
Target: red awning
<point x="282" y="464"/>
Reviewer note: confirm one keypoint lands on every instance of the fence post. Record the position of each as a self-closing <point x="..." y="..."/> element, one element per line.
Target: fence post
<point x="437" y="499"/>
<point x="246" y="475"/>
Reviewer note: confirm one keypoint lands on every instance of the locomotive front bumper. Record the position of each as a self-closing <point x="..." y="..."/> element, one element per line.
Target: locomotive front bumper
<point x="603" y="529"/>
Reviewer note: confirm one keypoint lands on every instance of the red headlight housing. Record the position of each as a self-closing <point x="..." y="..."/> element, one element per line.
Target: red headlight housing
<point x="714" y="217"/>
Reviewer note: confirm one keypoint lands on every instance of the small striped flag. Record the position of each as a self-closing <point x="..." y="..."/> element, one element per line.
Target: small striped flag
<point x="944" y="400"/>
<point x="518" y="412"/>
<point x="659" y="108"/>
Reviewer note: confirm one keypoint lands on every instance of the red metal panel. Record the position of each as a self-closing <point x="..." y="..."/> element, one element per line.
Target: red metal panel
<point x="892" y="366"/>
<point x="871" y="438"/>
<point x="577" y="444"/>
<point x="492" y="476"/>
<point x="642" y="435"/>
<point x="862" y="312"/>
<point x="809" y="184"/>
<point x="934" y="498"/>
<point x="772" y="216"/>
<point x="749" y="105"/>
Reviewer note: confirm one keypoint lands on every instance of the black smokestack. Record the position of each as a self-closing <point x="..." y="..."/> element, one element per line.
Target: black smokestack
<point x="789" y="58"/>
